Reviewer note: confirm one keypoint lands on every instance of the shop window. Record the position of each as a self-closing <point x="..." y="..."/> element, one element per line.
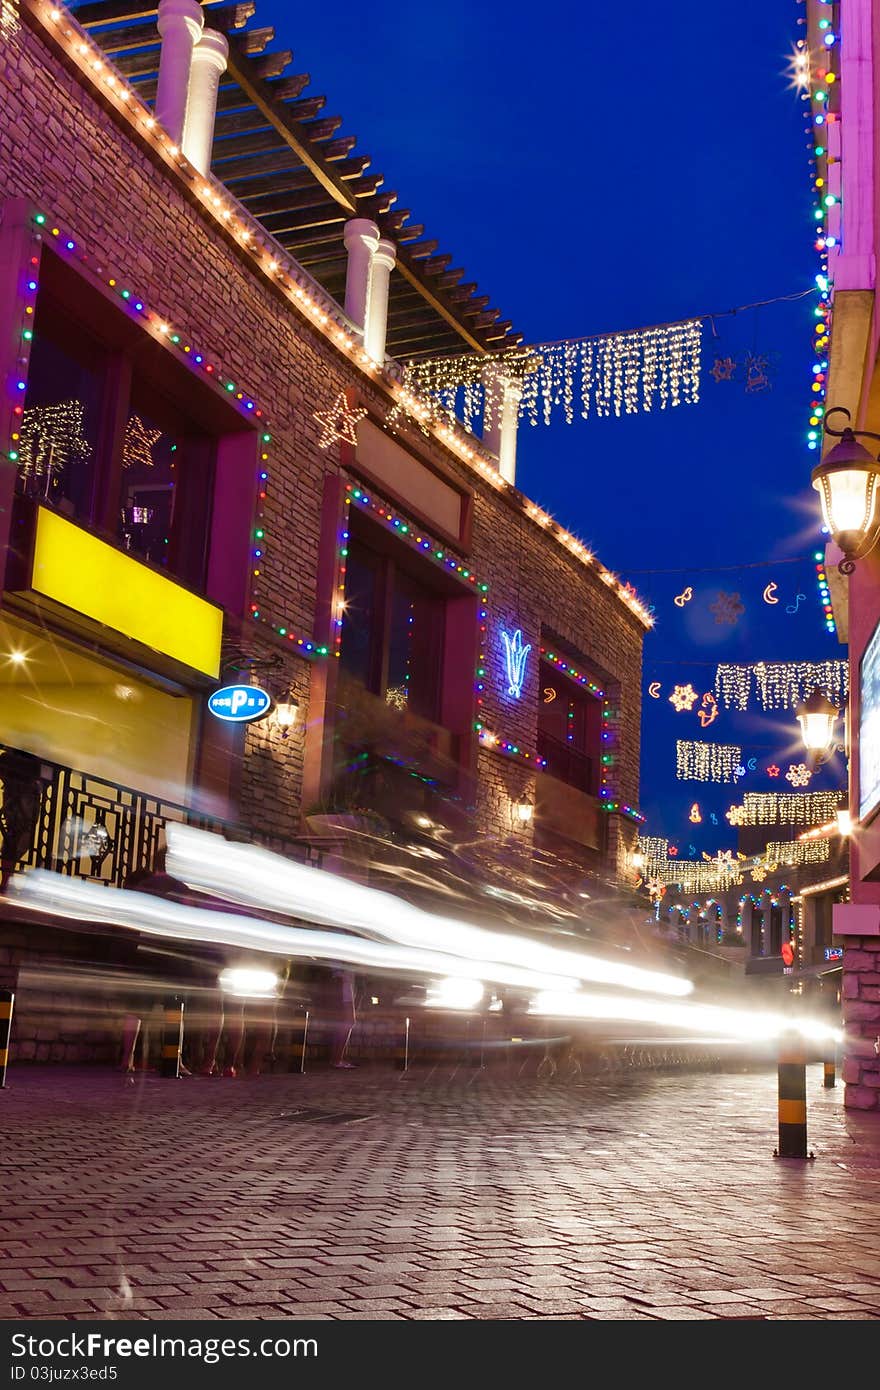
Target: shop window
<point x="569" y="731"/>
<point x="393" y="632"/>
<point x="123" y="437"/>
<point x="166" y="483"/>
<point x="66" y="384"/>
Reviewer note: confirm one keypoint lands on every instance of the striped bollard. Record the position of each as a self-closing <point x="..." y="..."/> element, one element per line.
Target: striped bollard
<point x="172" y="1038"/>
<point x="830" y="1072"/>
<point x="792" y="1071"/>
<point x="7" y="1000"/>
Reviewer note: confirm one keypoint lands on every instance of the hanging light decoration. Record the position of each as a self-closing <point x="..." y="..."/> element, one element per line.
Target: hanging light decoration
<point x="613" y="374"/>
<point x="706" y="762"/>
<point x="780" y="684"/>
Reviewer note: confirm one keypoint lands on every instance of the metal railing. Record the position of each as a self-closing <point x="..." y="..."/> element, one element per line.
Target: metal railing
<point x="60" y="818"/>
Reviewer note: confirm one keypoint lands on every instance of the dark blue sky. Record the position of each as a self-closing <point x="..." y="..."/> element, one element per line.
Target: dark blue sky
<point x="604" y="168"/>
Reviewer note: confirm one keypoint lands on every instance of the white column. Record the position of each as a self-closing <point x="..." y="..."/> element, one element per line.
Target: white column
<point x="208" y="65"/>
<point x="180" y="24"/>
<point x="361" y="238"/>
<point x="500" y="436"/>
<point x="384" y="259"/>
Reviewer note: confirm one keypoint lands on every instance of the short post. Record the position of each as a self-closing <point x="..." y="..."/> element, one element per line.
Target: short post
<point x="302" y="1056"/>
<point x="406" y="1047"/>
<point x="831" y="1068"/>
<point x="7" y="1001"/>
<point x="792" y="1069"/>
<point x="172" y="1038"/>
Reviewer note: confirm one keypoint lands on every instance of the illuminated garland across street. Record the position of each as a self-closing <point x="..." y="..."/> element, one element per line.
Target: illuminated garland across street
<point x="693" y="877"/>
<point x="781" y="684"/>
<point x="615" y="374"/>
<point x="785" y="808"/>
<point x="706" y="762"/>
<point x="797" y="852"/>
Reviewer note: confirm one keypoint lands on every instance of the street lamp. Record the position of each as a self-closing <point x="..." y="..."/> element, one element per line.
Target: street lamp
<point x="523" y="810"/>
<point x="846" y="481"/>
<point x="816" y="716"/>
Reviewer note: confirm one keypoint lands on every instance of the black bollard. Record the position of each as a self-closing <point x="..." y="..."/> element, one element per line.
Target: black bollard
<point x="172" y="1038"/>
<point x="792" y="1098"/>
<point x="830" y="1072"/>
<point x="7" y="1000"/>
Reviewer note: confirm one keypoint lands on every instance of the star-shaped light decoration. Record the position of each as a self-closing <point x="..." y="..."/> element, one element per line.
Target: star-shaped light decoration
<point x="798" y="775"/>
<point x="759" y="873"/>
<point x="339" y="422"/>
<point x="137" y="448"/>
<point x="727" y="608"/>
<point x="724" y="368"/>
<point x="773" y="770"/>
<point x="683" y="697"/>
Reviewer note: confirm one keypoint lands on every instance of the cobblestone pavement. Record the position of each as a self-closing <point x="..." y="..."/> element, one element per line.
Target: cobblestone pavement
<point x="423" y="1195"/>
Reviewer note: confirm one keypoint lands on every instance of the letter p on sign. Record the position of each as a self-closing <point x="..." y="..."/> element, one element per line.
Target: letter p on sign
<point x="239" y="700"/>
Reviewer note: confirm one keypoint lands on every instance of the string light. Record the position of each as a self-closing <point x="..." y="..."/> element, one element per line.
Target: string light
<point x="780" y="684"/>
<point x="616" y="373"/>
<point x="706" y="762"/>
<point x="797" y="852"/>
<point x="785" y="808"/>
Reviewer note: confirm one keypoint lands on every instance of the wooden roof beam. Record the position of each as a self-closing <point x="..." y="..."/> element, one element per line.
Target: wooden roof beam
<point x="270" y="65"/>
<point x="256" y="41"/>
<point x="249" y="78"/>
<point x="242" y="122"/>
<point x="281" y="89"/>
<point x="112" y="12"/>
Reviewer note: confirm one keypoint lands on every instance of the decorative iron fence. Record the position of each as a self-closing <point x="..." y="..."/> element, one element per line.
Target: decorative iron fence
<point x="55" y="817"/>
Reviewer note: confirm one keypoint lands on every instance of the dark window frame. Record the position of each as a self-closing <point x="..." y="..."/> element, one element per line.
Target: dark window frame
<point x="134" y="360"/>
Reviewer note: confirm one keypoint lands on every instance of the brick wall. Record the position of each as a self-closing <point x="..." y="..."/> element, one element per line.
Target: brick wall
<point x="61" y="149"/>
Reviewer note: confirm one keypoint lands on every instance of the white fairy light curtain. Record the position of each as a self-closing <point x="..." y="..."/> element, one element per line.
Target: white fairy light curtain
<point x="706" y="762"/>
<point x="694" y="877"/>
<point x="653" y="847"/>
<point x="797" y="852"/>
<point x="611" y="374"/>
<point x="786" y="808"/>
<point x="780" y="684"/>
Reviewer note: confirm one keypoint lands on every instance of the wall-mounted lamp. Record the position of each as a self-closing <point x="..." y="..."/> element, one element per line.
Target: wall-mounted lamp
<point x="847" y="483"/>
<point x="844" y="821"/>
<point x="286" y="713"/>
<point x="637" y="859"/>
<point x="523" y="809"/>
<point x="816" y="716"/>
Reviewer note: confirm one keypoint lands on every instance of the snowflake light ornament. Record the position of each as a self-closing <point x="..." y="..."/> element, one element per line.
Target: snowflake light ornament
<point x="683" y="697"/>
<point x="798" y="775"/>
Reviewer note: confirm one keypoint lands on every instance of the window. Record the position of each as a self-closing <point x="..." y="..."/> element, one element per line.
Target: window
<point x="60" y="426"/>
<point x="393" y="631"/>
<point x="119" y="434"/>
<point x="569" y="731"/>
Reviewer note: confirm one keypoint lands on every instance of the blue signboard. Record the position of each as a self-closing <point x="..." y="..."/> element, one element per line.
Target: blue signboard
<point x="239" y="704"/>
<point x="834" y="953"/>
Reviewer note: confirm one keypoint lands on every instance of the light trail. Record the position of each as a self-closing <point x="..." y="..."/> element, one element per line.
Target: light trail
<point x="257" y="877"/>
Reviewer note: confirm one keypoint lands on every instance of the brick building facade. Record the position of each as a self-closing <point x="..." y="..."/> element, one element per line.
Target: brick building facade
<point x="108" y="228"/>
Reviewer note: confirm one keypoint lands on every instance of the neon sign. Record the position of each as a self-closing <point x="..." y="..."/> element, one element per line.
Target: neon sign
<point x="515" y="657"/>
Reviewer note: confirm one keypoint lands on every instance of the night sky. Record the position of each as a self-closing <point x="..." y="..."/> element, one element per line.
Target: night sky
<point x="604" y="168"/>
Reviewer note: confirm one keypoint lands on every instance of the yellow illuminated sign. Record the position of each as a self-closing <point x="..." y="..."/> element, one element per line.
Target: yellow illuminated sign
<point x="84" y="573"/>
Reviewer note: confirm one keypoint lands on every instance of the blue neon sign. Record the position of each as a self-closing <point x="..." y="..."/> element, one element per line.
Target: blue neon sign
<point x="515" y="657"/>
<point x="239" y="704"/>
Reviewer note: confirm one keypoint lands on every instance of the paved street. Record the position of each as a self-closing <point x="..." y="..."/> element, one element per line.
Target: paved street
<point x="428" y="1195"/>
